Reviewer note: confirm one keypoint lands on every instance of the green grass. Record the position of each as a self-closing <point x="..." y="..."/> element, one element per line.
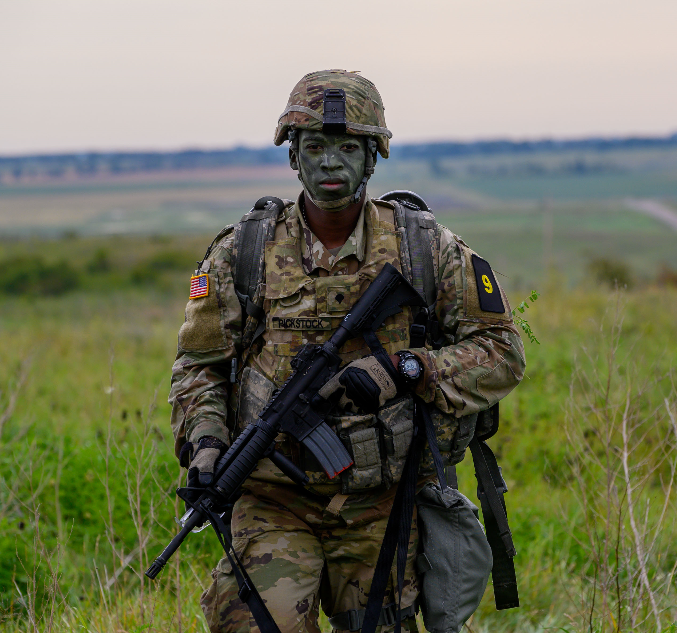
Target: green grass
<point x="91" y="416"/>
<point x="88" y="328"/>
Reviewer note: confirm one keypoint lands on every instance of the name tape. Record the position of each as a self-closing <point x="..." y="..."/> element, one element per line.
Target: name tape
<point x="301" y="323"/>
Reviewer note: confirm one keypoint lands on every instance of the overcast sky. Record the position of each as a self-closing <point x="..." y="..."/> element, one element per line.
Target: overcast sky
<point x="143" y="74"/>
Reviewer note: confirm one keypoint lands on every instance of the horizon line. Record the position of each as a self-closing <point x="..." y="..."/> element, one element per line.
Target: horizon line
<point x="522" y="141"/>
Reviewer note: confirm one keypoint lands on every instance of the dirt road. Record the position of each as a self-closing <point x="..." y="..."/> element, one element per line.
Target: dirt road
<point x="655" y="209"/>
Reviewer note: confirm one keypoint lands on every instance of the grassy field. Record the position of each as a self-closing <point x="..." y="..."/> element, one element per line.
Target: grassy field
<point x="88" y="472"/>
<point x="93" y="283"/>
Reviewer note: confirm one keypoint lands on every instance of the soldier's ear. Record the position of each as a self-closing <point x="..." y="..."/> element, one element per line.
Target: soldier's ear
<point x="293" y="160"/>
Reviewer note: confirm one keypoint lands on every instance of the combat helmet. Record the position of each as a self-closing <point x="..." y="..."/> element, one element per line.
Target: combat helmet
<point x="364" y="111"/>
<point x="337" y="101"/>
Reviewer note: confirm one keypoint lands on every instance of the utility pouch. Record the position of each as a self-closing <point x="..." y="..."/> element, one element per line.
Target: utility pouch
<point x="456" y="561"/>
<point x="397" y="424"/>
<point x="254" y="393"/>
<point x="363" y="445"/>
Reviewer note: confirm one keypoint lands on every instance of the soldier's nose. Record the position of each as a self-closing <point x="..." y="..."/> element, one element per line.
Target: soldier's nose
<point x="330" y="161"/>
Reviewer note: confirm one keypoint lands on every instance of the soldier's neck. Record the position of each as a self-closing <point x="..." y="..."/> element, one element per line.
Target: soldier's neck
<point x="332" y="228"/>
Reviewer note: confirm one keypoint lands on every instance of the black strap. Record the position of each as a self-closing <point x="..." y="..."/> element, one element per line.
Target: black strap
<point x="432" y="440"/>
<point x="419" y="328"/>
<point x="452" y="478"/>
<point x="247" y="589"/>
<point x="490" y="490"/>
<point x="255" y="229"/>
<point x="397" y="535"/>
<point x="352" y="619"/>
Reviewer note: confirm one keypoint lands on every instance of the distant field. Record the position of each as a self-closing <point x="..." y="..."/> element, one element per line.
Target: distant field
<point x="567" y="175"/>
<point x="152" y="203"/>
<point x="518" y="243"/>
<point x="525" y="213"/>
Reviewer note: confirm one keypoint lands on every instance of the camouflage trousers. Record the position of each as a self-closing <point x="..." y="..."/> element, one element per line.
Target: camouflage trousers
<point x="305" y="551"/>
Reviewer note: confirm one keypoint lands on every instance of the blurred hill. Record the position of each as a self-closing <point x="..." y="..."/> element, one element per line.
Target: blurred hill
<point x="528" y="206"/>
<point x="56" y="167"/>
<point x="29" y="168"/>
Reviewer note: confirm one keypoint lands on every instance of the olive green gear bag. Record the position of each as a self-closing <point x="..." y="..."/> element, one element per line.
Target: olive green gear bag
<point x="456" y="560"/>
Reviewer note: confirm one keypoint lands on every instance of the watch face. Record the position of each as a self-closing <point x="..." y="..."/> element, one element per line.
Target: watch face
<point x="411" y="367"/>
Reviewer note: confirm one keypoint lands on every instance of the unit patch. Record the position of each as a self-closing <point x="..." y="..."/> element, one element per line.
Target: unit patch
<point x="487" y="289"/>
<point x="301" y="323"/>
<point x="199" y="286"/>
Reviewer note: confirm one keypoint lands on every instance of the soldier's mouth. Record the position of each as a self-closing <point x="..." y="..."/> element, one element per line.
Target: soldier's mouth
<point x="332" y="183"/>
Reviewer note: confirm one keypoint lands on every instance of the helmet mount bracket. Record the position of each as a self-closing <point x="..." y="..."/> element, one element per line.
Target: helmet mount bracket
<point x="334" y="111"/>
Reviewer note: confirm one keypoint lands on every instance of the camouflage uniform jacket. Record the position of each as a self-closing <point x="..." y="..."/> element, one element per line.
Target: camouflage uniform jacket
<point x="307" y="291"/>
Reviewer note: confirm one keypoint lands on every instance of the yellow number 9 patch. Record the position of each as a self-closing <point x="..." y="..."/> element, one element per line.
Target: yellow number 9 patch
<point x="488" y="290"/>
<point x="487" y="284"/>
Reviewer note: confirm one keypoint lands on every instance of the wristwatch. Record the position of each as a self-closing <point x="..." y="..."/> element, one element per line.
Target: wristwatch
<point x="409" y="367"/>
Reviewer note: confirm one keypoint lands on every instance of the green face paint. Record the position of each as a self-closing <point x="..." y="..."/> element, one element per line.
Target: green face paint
<point x="331" y="165"/>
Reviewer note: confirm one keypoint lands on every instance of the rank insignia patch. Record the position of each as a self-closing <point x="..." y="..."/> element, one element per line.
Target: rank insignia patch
<point x="487" y="289"/>
<point x="199" y="286"/>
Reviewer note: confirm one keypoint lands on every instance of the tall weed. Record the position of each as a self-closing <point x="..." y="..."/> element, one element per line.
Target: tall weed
<point x="622" y="438"/>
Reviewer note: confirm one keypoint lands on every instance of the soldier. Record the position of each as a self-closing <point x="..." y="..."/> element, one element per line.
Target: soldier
<point x="317" y="546"/>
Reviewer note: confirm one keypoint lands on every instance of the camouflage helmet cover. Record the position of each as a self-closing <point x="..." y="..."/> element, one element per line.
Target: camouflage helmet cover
<point x="364" y="107"/>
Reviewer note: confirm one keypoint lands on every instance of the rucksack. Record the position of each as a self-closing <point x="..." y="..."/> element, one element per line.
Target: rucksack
<point x="419" y="231"/>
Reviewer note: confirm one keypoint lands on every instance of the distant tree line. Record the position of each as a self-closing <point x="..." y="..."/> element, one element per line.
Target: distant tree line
<point x="436" y="150"/>
<point x="55" y="166"/>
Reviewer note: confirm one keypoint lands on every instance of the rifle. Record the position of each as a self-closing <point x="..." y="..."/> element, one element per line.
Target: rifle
<point x="296" y="409"/>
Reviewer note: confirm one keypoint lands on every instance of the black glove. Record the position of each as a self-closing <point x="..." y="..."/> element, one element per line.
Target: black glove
<point x="201" y="462"/>
<point x="365" y="384"/>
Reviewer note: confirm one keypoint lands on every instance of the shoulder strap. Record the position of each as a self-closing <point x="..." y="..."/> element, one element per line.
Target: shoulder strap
<point x="396" y="538"/>
<point x="419" y="257"/>
<point x="255" y="229"/>
<point x="208" y="252"/>
<point x="419" y="235"/>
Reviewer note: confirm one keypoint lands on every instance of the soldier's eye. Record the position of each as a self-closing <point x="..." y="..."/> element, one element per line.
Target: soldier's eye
<point x="349" y="147"/>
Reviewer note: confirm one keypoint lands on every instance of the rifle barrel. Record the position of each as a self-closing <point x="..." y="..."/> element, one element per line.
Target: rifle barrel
<point x="197" y="518"/>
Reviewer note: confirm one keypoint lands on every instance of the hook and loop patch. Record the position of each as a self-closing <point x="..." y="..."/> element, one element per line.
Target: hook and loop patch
<point x="488" y="291"/>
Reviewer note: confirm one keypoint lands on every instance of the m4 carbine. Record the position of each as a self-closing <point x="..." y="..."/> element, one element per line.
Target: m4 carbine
<point x="297" y="409"/>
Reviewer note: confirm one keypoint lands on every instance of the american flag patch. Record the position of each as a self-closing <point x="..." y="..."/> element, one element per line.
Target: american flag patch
<point x="199" y="286"/>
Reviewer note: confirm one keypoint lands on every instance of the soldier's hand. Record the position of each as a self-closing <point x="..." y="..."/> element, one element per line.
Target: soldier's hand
<point x="201" y="459"/>
<point x="365" y="385"/>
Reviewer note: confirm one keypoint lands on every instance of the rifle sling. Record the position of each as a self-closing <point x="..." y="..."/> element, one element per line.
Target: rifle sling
<point x="248" y="592"/>
<point x="396" y="536"/>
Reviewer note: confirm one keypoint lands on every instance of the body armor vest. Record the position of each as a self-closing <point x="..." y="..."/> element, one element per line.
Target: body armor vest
<point x="301" y="309"/>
